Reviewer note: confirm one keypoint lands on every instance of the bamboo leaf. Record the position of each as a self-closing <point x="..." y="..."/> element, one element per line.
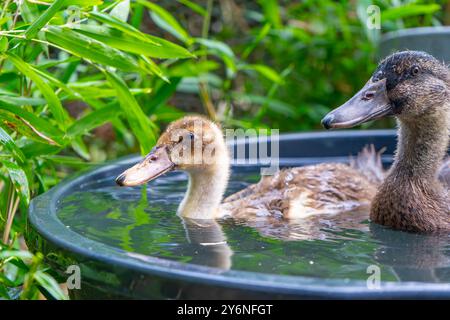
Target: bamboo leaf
<point x="217" y="46"/>
<point x="8" y="142"/>
<point x="140" y="124"/>
<point x="91" y="49"/>
<point x="49" y="284"/>
<point x="42" y="20"/>
<point x="408" y="10"/>
<point x="93" y="120"/>
<point x="3" y="44"/>
<point x="265" y="71"/>
<point x="149" y="46"/>
<point x="166" y="21"/>
<point x="22" y="101"/>
<point x="194" y="7"/>
<point x="19" y="179"/>
<point x="273" y="104"/>
<point x="120" y="25"/>
<point x="41" y="127"/>
<point x="54" y="104"/>
<point x="121" y="11"/>
<point x="23" y="127"/>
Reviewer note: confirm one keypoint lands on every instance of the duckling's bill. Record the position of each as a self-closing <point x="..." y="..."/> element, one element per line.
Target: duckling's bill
<point x="370" y="103"/>
<point x="155" y="164"/>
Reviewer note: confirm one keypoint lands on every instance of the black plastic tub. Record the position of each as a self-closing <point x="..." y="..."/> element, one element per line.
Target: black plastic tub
<point x="109" y="272"/>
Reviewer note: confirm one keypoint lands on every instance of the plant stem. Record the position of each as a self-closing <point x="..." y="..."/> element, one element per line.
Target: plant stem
<point x="4" y="8"/>
<point x="13" y="203"/>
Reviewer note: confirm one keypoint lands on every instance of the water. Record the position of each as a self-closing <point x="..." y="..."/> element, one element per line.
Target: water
<point x="142" y="221"/>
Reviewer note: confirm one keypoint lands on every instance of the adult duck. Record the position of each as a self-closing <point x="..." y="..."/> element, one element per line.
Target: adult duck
<point x="415" y="88"/>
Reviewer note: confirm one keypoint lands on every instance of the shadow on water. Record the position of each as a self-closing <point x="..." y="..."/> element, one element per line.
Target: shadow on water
<point x="324" y="247"/>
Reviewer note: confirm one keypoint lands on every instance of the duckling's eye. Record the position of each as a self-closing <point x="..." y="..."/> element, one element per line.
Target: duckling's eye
<point x="415" y="70"/>
<point x="190" y="136"/>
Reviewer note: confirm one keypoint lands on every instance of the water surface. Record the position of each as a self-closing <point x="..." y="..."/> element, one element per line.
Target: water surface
<point x="143" y="221"/>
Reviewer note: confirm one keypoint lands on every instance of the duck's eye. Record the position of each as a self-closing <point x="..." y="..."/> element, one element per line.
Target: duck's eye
<point x="415" y="70"/>
<point x="190" y="136"/>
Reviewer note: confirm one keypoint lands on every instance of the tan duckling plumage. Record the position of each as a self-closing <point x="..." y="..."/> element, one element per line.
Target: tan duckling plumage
<point x="328" y="188"/>
<point x="415" y="88"/>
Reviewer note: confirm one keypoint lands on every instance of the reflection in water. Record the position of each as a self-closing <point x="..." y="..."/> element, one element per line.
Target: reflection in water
<point x="413" y="257"/>
<point x="208" y="236"/>
<point x="142" y="222"/>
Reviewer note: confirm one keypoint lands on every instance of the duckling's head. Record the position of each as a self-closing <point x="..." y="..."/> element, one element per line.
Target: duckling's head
<point x="407" y="84"/>
<point x="192" y="143"/>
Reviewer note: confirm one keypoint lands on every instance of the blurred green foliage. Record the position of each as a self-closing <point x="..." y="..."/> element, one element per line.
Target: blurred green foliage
<point x="84" y="81"/>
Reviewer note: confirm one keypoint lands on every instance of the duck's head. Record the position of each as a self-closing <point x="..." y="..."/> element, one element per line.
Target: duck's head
<point x="192" y="144"/>
<point x="407" y="84"/>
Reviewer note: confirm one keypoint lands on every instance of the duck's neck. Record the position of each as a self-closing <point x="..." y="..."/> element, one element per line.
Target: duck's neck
<point x="421" y="147"/>
<point x="205" y="192"/>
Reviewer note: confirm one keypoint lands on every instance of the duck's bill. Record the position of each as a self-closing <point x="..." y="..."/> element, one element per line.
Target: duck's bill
<point x="370" y="103"/>
<point x="155" y="164"/>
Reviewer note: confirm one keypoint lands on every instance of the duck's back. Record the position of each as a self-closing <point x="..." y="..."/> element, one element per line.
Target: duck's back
<point x="326" y="188"/>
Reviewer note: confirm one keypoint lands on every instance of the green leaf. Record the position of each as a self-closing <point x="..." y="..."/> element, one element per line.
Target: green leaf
<point x="54" y="104"/>
<point x="408" y="10"/>
<point x="8" y="142"/>
<point x="149" y="46"/>
<point x="93" y="120"/>
<point x="81" y="3"/>
<point x="140" y="124"/>
<point x="265" y="71"/>
<point x="4" y="292"/>
<point x="44" y="129"/>
<point x="44" y="18"/>
<point x="121" y="11"/>
<point x="23" y="127"/>
<point x="271" y="11"/>
<point x="18" y="254"/>
<point x="80" y="148"/>
<point x="91" y="49"/>
<point x="166" y="21"/>
<point x="217" y="46"/>
<point x="194" y="7"/>
<point x="152" y="67"/>
<point x="3" y="44"/>
<point x="163" y="93"/>
<point x="273" y="104"/>
<point x="191" y="68"/>
<point x="19" y="179"/>
<point x="49" y="284"/>
<point x="22" y="101"/>
<point x="119" y="25"/>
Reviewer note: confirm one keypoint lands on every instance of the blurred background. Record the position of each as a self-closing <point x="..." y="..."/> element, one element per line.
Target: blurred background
<point x="82" y="82"/>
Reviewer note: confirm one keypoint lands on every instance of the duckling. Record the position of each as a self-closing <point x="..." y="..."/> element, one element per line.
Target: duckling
<point x="415" y="88"/>
<point x="196" y="145"/>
